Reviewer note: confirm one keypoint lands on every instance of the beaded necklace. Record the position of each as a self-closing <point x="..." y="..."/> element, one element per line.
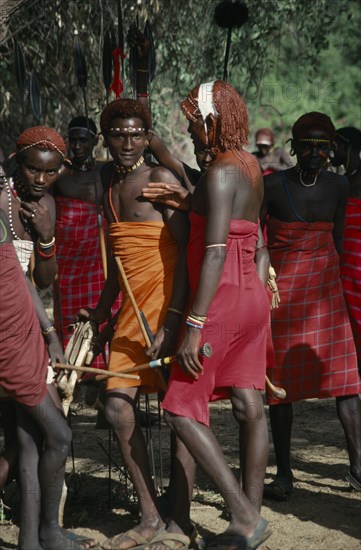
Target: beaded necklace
<point x="301" y="180"/>
<point x="11" y="191"/>
<point x="124" y="170"/>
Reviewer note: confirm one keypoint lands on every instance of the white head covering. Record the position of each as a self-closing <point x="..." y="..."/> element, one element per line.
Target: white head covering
<point x="206" y="102"/>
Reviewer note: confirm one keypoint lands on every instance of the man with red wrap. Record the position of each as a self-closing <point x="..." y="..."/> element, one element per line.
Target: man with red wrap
<point x="305" y="211"/>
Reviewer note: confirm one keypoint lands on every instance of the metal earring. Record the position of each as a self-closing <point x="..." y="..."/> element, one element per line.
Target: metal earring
<point x="331" y="154"/>
<point x="292" y="152"/>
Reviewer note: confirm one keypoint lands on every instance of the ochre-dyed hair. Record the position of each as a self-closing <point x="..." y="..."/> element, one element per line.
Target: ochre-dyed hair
<point x="232" y="117"/>
<point x="313" y="121"/>
<point x="41" y="137"/>
<point x="124" y="108"/>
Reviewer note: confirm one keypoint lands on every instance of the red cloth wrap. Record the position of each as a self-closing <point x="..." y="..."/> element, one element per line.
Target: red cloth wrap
<point x="237" y="325"/>
<point x="311" y="331"/>
<point x="23" y="353"/>
<point x="350" y="263"/>
<point x="80" y="269"/>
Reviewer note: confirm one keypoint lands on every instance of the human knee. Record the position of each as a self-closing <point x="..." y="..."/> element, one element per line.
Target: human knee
<point x="247" y="407"/>
<point x="61" y="439"/>
<point x="119" y="412"/>
<point x="174" y="422"/>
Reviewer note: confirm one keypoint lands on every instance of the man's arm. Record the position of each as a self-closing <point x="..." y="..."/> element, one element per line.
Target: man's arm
<point x="178" y="225"/>
<point x="46" y="266"/>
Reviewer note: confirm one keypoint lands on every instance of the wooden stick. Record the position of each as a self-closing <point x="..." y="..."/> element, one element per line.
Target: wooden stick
<point x="103" y="251"/>
<point x="278" y="392"/>
<point x="133" y="302"/>
<point x="107" y="374"/>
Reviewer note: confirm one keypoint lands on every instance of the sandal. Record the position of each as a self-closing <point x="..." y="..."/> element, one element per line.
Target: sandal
<point x="170" y="541"/>
<point x="354" y="482"/>
<point x="133" y="535"/>
<point x="226" y="540"/>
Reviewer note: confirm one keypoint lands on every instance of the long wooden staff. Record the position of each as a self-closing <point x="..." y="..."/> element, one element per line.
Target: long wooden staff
<point x="105" y="374"/>
<point x="143" y="325"/>
<point x="82" y="76"/>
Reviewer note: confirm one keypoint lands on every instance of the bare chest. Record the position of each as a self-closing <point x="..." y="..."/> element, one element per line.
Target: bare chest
<point x="125" y="202"/>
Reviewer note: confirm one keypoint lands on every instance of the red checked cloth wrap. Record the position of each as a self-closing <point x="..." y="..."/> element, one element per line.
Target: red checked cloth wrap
<point x="23" y="354"/>
<point x="350" y="265"/>
<point x="80" y="269"/>
<point x="312" y="337"/>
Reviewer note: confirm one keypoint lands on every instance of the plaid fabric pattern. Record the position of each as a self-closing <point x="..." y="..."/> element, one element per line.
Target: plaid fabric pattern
<point x="312" y="337"/>
<point x="80" y="274"/>
<point x="350" y="266"/>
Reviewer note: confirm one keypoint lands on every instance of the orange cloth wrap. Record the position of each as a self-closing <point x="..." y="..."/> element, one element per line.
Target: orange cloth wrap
<point x="148" y="253"/>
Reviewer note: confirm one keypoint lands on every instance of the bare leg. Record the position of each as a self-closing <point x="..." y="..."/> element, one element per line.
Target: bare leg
<point x="182" y="480"/>
<point x="121" y="413"/>
<point x="56" y="436"/>
<point x="200" y="441"/>
<point x="248" y="410"/>
<point x="8" y="458"/>
<point x="30" y="445"/>
<point x="349" y="413"/>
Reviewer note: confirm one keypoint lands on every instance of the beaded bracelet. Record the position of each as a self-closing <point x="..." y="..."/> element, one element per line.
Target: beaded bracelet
<point x="47" y="245"/>
<point x="196" y="317"/>
<point x="47" y="256"/>
<point x="193" y="325"/>
<point x="142" y="70"/>
<point x="174" y="310"/>
<point x="141" y="94"/>
<point x="49" y="330"/>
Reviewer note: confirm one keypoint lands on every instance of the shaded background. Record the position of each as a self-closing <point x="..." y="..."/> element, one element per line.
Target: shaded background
<point x="290" y="57"/>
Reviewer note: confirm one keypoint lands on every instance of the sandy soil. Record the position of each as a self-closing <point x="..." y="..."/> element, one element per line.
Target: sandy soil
<point x="322" y="513"/>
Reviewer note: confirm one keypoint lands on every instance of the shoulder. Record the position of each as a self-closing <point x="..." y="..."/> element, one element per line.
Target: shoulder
<point x="338" y="182"/>
<point x="161" y="174"/>
<point x="273" y="180"/>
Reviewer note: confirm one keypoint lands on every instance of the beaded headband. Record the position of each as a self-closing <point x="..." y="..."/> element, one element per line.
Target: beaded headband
<point x="81" y="128"/>
<point x="314" y="139"/>
<point x="127" y="130"/>
<point x="38" y="143"/>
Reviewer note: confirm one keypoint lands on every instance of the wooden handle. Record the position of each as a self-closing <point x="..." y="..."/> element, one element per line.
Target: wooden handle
<point x="133" y="302"/>
<point x="280" y="393"/>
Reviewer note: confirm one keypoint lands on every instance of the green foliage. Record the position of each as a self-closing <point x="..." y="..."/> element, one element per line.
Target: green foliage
<point x="289" y="58"/>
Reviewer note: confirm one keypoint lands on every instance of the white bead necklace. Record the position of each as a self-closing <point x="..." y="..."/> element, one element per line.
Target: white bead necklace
<point x="9" y="184"/>
<point x="301" y="180"/>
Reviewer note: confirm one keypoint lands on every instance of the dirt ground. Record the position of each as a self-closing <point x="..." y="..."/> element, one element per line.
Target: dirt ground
<point x="322" y="513"/>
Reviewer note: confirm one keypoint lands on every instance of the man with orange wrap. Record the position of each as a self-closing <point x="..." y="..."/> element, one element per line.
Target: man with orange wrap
<point x="151" y="243"/>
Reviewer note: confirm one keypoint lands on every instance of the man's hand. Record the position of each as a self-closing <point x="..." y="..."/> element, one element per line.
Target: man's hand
<point x="38" y="215"/>
<point x="272" y="285"/>
<point x="89" y="314"/>
<point x="137" y="40"/>
<point x="188" y="353"/>
<point x="170" y="194"/>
